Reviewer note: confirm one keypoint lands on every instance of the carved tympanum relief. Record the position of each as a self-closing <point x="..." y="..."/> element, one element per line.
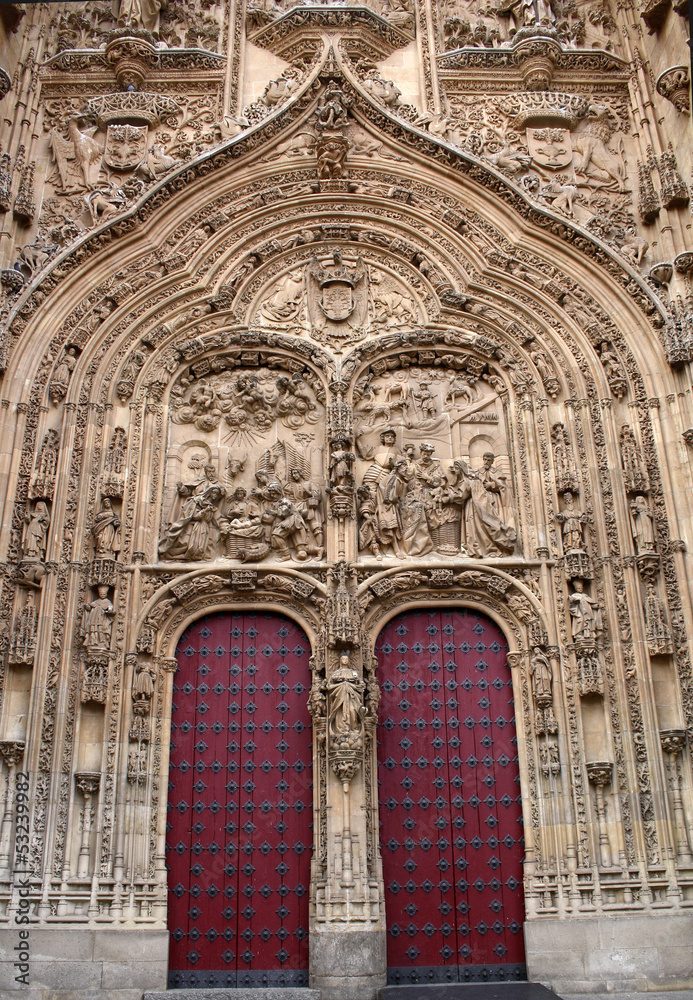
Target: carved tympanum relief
<point x="433" y="465"/>
<point x="338" y="299"/>
<point x="245" y="469"/>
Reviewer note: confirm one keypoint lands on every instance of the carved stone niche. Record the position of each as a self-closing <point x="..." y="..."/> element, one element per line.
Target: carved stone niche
<point x="433" y="466"/>
<point x="245" y="475"/>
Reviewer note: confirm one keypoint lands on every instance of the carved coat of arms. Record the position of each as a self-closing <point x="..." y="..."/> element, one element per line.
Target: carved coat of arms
<point x="337" y="299"/>
<point x="550" y="147"/>
<point x="126" y="146"/>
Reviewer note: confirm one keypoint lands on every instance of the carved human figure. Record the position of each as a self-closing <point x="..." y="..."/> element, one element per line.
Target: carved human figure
<point x="425" y="401"/>
<point x="460" y="493"/>
<point x="421" y="475"/>
<point x="289" y="531"/>
<point x="35" y="531"/>
<point x="143" y="686"/>
<point x="60" y="379"/>
<point x="332" y="110"/>
<point x="382" y="464"/>
<point x="586" y="624"/>
<point x="613" y="370"/>
<point x="542" y="677"/>
<point x="345" y="691"/>
<point x="97" y="622"/>
<point x="485" y="530"/>
<point x="308" y="499"/>
<point x="106" y="532"/>
<point x="369" y="539"/>
<point x="341" y="459"/>
<point x="141" y="14"/>
<point x="193" y="535"/>
<point x="572" y="522"/>
<point x="331" y="154"/>
<point x="642" y="525"/>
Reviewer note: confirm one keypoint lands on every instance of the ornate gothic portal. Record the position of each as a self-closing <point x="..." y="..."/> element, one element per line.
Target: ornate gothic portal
<point x="450" y="804"/>
<point x="239" y="804"/>
<point x="313" y="316"/>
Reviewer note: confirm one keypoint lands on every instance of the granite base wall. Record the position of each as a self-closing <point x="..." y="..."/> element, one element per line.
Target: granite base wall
<point x="85" y="964"/>
<point x="637" y="953"/>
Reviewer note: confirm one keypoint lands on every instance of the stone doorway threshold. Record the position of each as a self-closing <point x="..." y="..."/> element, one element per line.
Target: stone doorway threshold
<point x="265" y="993"/>
<point x="468" y="991"/>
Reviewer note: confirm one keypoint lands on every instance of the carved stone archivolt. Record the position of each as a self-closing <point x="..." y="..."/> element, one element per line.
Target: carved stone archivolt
<point x="327" y="385"/>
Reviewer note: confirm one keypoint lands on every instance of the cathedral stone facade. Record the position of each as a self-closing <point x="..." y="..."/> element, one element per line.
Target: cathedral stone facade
<point x="346" y="429"/>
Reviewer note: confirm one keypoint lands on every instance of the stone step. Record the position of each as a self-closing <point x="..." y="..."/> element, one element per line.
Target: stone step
<point x="242" y="993"/>
<point x="468" y="991"/>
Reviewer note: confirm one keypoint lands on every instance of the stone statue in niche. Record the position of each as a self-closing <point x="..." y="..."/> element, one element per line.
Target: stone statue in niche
<point x="36" y="527"/>
<point x="97" y="622"/>
<point x="105" y="531"/>
<point x="586" y="624"/>
<point x="572" y="522"/>
<point x="143" y="687"/>
<point x="411" y="501"/>
<point x="542" y="677"/>
<point x="345" y="691"/>
<point x="60" y="380"/>
<point x="613" y="369"/>
<point x="642" y="525"/>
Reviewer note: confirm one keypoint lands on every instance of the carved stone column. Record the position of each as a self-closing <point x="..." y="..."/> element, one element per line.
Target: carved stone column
<point x="88" y="784"/>
<point x="673" y="741"/>
<point x="11" y="752"/>
<point x="599" y="774"/>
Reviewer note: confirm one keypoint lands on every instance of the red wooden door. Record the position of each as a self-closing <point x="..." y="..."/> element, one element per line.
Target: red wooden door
<point x="450" y="805"/>
<point x="239" y="829"/>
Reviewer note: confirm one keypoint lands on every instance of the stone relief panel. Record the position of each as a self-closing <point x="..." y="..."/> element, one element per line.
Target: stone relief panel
<point x="479" y="24"/>
<point x="433" y="465"/>
<point x="245" y="466"/>
<point x="337" y="298"/>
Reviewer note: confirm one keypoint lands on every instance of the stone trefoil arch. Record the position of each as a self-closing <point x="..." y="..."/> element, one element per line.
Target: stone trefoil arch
<point x="337" y="363"/>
